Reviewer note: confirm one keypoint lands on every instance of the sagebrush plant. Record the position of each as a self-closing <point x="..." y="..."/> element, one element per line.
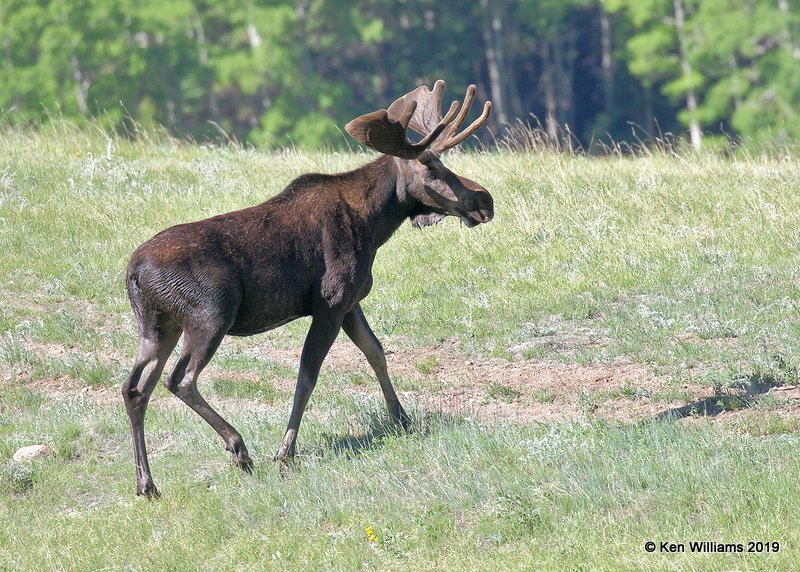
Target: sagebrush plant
<point x="683" y="262"/>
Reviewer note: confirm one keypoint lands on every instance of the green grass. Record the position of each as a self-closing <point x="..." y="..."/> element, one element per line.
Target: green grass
<point x="769" y="424"/>
<point x="426" y="365"/>
<point x="499" y="392"/>
<point x="687" y="264"/>
<point x="543" y="396"/>
<point x="243" y="388"/>
<point x="453" y="494"/>
<point x="674" y="261"/>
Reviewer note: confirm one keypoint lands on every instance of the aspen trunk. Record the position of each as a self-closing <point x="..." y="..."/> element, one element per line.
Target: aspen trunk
<point x="495" y="56"/>
<point x="82" y="84"/>
<point x="695" y="135"/>
<point x="548" y="87"/>
<point x="202" y="54"/>
<point x="606" y="61"/>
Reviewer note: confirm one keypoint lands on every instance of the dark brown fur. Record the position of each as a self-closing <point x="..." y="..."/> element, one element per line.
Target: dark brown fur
<point x="306" y="252"/>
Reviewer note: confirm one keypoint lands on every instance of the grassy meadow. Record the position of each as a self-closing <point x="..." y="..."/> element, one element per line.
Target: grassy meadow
<point x="685" y="264"/>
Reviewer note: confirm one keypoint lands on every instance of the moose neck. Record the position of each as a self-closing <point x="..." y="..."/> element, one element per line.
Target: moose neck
<point x="384" y="197"/>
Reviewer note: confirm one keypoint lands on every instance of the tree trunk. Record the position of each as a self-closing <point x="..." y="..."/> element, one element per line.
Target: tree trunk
<point x="786" y="38"/>
<point x="548" y="87"/>
<point x="695" y="135"/>
<point x="82" y="84"/>
<point x="563" y="69"/>
<point x="202" y="55"/>
<point x="787" y="41"/>
<point x="511" y="39"/>
<point x="606" y="62"/>
<point x="307" y="66"/>
<point x="495" y="60"/>
<point x="649" y="120"/>
<point x="734" y="65"/>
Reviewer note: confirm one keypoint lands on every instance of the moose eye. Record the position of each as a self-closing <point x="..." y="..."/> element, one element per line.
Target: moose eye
<point x="428" y="157"/>
<point x="433" y="164"/>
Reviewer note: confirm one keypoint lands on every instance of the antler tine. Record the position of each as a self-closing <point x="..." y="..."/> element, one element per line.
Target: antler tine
<point x="429" y="114"/>
<point x="441" y="126"/>
<point x="477" y="124"/>
<point x="465" y="107"/>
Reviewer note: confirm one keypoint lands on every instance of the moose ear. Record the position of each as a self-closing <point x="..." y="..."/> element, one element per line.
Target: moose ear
<point x="426" y="219"/>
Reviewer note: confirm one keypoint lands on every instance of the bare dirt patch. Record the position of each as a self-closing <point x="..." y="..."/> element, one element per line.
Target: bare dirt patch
<point x="443" y="378"/>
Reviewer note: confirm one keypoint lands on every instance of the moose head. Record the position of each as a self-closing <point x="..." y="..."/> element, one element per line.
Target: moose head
<point x="438" y="191"/>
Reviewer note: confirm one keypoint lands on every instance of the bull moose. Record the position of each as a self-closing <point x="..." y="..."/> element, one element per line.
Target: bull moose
<point x="308" y="251"/>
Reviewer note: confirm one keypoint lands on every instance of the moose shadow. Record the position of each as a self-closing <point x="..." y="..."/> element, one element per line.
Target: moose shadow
<point x="751" y="388"/>
<point x="378" y="429"/>
<point x="375" y="429"/>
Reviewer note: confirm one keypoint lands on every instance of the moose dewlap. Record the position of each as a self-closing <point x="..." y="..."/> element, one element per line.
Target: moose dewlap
<point x="306" y="252"/>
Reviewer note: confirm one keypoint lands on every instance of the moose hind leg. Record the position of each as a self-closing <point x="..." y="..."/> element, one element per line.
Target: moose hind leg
<point x="357" y="329"/>
<point x="155" y="347"/>
<point x="198" y="348"/>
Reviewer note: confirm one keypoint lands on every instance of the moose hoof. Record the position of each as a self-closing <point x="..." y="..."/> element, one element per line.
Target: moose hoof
<point x="284" y="455"/>
<point x="243" y="461"/>
<point x="148" y="490"/>
<point x="403" y="420"/>
<point x="284" y="459"/>
<point x="288" y="465"/>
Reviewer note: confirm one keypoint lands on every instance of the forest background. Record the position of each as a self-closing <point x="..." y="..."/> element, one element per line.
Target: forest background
<point x="293" y="72"/>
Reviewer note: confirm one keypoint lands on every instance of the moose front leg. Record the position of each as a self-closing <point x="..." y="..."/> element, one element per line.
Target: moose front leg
<point x="319" y="340"/>
<point x="357" y="329"/>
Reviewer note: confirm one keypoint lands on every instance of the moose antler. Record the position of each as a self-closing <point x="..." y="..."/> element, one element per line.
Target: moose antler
<point x="428" y="115"/>
<point x="450" y="138"/>
<point x="385" y="130"/>
<point x="421" y="110"/>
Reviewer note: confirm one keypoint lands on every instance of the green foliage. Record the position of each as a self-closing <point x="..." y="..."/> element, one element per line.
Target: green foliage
<point x="15" y="479"/>
<point x="285" y="73"/>
<point x="742" y="55"/>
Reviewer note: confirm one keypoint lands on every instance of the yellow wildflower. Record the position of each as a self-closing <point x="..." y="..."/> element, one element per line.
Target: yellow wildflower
<point x="371" y="536"/>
